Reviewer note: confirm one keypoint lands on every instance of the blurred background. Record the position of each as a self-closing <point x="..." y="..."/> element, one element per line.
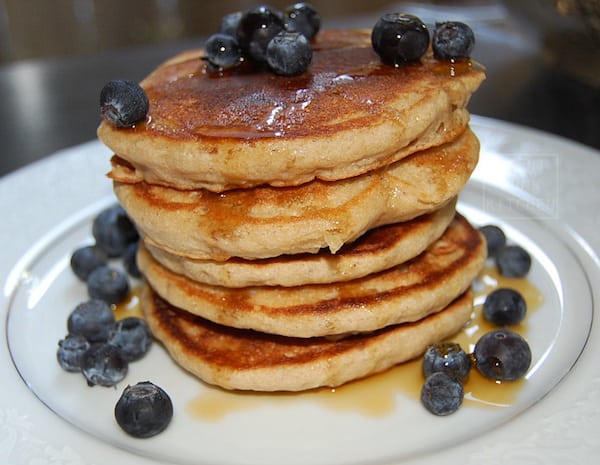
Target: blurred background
<point x="55" y="55"/>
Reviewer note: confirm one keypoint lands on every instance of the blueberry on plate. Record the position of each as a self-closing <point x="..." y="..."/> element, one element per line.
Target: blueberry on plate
<point x="123" y="102"/>
<point x="92" y="320"/>
<point x="130" y="260"/>
<point x="132" y="335"/>
<point x="289" y="53"/>
<point x="144" y="410"/>
<point x="502" y="355"/>
<point x="452" y="40"/>
<point x="442" y="394"/>
<point x="513" y="261"/>
<point x="302" y="17"/>
<point x="70" y="351"/>
<point x="504" y="307"/>
<point x="222" y="51"/>
<point x="113" y="231"/>
<point x="447" y="357"/>
<point x="108" y="284"/>
<point x="86" y="259"/>
<point x="103" y="365"/>
<point x="494" y="238"/>
<point x="256" y="28"/>
<point x="399" y="38"/>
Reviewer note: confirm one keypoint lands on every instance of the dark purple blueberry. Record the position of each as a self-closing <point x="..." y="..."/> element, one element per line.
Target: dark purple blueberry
<point x="447" y="357"/>
<point x="86" y="259"/>
<point x="70" y="351"/>
<point x="257" y="27"/>
<point x="502" y="355"/>
<point x="103" y="365"/>
<point x="230" y="23"/>
<point x="302" y="17"/>
<point x="452" y="40"/>
<point x="144" y="410"/>
<point x="108" y="284"/>
<point x="130" y="260"/>
<point x="504" y="307"/>
<point x="132" y="335"/>
<point x="513" y="261"/>
<point x="289" y="53"/>
<point x="222" y="52"/>
<point x="113" y="231"/>
<point x="123" y="102"/>
<point x="494" y="237"/>
<point x="92" y="319"/>
<point x="399" y="38"/>
<point x="442" y="394"/>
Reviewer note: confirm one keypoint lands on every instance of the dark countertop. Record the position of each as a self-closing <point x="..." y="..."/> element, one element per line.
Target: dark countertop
<point x="51" y="104"/>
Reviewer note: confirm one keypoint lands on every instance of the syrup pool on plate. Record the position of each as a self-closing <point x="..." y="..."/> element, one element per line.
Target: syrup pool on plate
<point x="404" y="379"/>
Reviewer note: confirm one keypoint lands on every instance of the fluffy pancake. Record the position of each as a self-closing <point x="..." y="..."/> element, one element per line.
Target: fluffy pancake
<point x="346" y="115"/>
<point x="248" y="360"/>
<point x="407" y="292"/>
<point x="376" y="250"/>
<point x="266" y="221"/>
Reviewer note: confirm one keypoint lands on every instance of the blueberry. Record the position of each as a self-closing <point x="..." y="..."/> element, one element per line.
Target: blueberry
<point x="144" y="410"/>
<point x="302" y="17"/>
<point x="494" y="237"/>
<point x="513" y="261"/>
<point x="504" y="307"/>
<point x="289" y="53"/>
<point x="230" y="23"/>
<point x="113" y="231"/>
<point x="447" y="357"/>
<point x="70" y="351"/>
<point x="103" y="364"/>
<point x="86" y="259"/>
<point x="222" y="52"/>
<point x="92" y="319"/>
<point x="108" y="284"/>
<point x="132" y="336"/>
<point x="130" y="260"/>
<point x="442" y="394"/>
<point x="256" y="28"/>
<point x="123" y="102"/>
<point x="452" y="40"/>
<point x="502" y="355"/>
<point x="399" y="38"/>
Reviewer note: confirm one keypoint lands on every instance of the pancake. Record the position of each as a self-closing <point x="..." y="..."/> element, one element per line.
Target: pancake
<point x="248" y="360"/>
<point x="348" y="114"/>
<point x="267" y="221"/>
<point x="407" y="292"/>
<point x="376" y="250"/>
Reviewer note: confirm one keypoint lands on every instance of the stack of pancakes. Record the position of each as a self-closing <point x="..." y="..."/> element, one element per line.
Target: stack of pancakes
<point x="301" y="231"/>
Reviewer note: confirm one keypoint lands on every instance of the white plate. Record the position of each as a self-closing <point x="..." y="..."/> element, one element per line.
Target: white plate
<point x="543" y="190"/>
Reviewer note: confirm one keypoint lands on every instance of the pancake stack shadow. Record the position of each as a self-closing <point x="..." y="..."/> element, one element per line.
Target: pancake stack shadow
<point x="302" y="232"/>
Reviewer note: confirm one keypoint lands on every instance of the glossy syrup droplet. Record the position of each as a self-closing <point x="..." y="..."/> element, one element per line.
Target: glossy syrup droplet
<point x="130" y="306"/>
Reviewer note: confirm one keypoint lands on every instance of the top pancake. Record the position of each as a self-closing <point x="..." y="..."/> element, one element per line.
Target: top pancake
<point x="347" y="114"/>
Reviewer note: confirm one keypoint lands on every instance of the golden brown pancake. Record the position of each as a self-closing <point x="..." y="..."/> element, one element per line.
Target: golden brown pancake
<point x="407" y="292"/>
<point x="346" y="115"/>
<point x="376" y="250"/>
<point x="249" y="360"/>
<point x="266" y="221"/>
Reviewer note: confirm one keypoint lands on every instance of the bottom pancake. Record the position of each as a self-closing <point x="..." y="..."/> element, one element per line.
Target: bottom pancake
<point x="248" y="360"/>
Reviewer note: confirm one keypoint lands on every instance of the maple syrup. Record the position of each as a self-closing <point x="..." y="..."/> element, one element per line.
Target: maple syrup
<point x="130" y="307"/>
<point x="403" y="380"/>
